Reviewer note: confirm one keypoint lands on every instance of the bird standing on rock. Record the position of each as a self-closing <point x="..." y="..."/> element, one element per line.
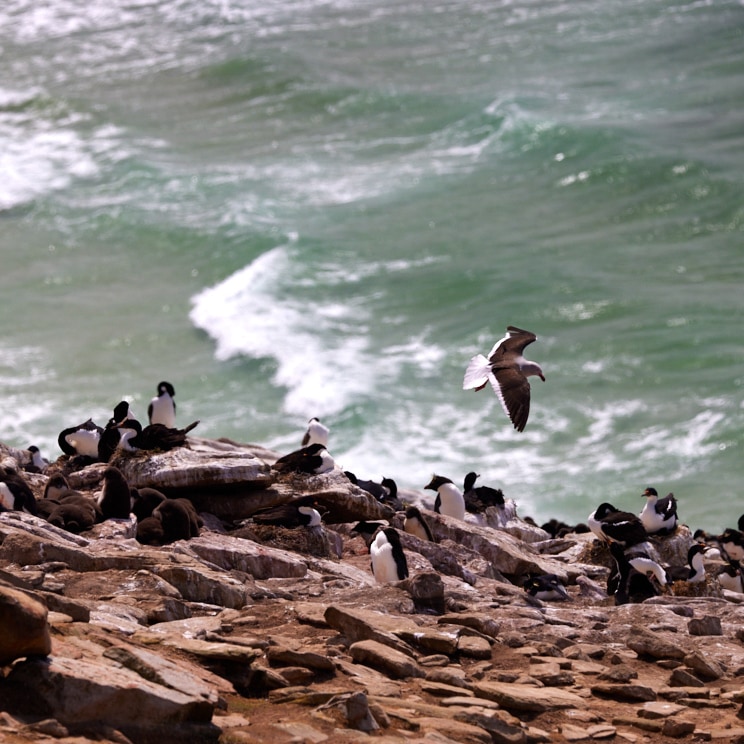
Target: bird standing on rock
<point x="316" y="433"/>
<point x="415" y="524"/>
<point x="612" y="525"/>
<point x="449" y="500"/>
<point x="387" y="556"/>
<point x="659" y="516"/>
<point x="162" y="408"/>
<point x="115" y="500"/>
<point x="507" y="370"/>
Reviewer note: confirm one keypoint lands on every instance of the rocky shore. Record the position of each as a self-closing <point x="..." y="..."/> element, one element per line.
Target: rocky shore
<point x="259" y="633"/>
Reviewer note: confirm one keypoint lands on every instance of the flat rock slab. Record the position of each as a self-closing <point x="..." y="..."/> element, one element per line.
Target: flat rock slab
<point x="379" y="656"/>
<point x="519" y="697"/>
<point x="79" y="690"/>
<point x="260" y="561"/>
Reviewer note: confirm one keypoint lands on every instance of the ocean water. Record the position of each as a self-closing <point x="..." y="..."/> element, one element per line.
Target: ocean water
<point x="326" y="207"/>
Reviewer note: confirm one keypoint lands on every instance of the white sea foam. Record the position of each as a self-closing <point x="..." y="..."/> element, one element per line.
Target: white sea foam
<point x="37" y="154"/>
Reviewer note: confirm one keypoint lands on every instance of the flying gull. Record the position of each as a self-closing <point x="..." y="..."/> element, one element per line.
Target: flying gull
<point x="507" y="370"/>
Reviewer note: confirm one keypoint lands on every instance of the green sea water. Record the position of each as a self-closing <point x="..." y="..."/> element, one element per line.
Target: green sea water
<point x="295" y="209"/>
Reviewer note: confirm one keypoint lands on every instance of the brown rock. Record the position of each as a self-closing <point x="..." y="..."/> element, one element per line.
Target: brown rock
<point x="705" y="626"/>
<point x="521" y="697"/>
<point x="393" y="663"/>
<point x="24" y="630"/>
<point x="647" y="643"/>
<point x="625" y="693"/>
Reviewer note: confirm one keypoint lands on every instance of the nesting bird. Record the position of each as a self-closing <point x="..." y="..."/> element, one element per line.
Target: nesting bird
<point x="297" y="513"/>
<point x="694" y="570"/>
<point x="479" y="498"/>
<point x="507" y="370"/>
<point x="659" y="516"/>
<point x="449" y="500"/>
<point x="152" y="437"/>
<point x="15" y="493"/>
<point x="36" y="464"/>
<point x="313" y="459"/>
<point x="81" y="440"/>
<point x="610" y="524"/>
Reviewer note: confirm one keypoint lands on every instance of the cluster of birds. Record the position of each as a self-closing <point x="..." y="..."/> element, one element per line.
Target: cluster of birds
<point x="160" y="520"/>
<point x="636" y="575"/>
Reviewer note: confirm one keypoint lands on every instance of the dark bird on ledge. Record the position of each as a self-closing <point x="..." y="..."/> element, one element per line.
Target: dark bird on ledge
<point x="507" y="370"/>
<point x="152" y="437"/>
<point x="479" y="498"/>
<point x="378" y="490"/>
<point x="313" y="459"/>
<point x="546" y="587"/>
<point x="297" y="513"/>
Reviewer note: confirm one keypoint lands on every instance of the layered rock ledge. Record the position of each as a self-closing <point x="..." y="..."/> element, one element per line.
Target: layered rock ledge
<point x="252" y="633"/>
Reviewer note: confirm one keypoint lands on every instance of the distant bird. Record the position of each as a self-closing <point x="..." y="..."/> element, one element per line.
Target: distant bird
<point x="378" y="490"/>
<point x="144" y="501"/>
<point x="81" y="440"/>
<point x="122" y="410"/>
<point x="297" y="513"/>
<point x="115" y="499"/>
<point x="694" y="570"/>
<point x="449" y="500"/>
<point x="73" y="517"/>
<point x="415" y="524"/>
<point x="612" y="525"/>
<point x="479" y="498"/>
<point x="37" y="463"/>
<point x="313" y="459"/>
<point x="732" y="543"/>
<point x="730" y="577"/>
<point x="178" y="518"/>
<point x="15" y="493"/>
<point x="507" y="370"/>
<point x="387" y="556"/>
<point x="546" y="587"/>
<point x="316" y="433"/>
<point x="56" y="485"/>
<point x="152" y="437"/>
<point x="636" y="577"/>
<point x="391" y="499"/>
<point x="162" y="408"/>
<point x="659" y="516"/>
